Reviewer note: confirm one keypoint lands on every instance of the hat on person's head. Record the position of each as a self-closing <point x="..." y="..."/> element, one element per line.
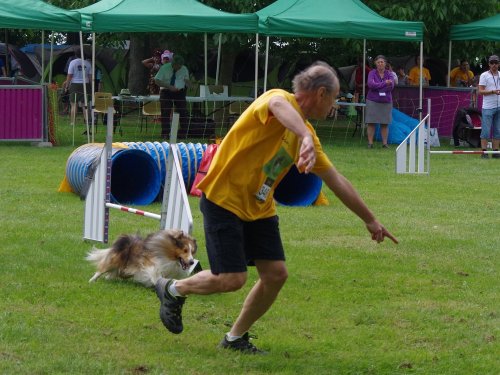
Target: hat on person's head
<point x="167" y="54"/>
<point x="493" y="58"/>
<point x="178" y="60"/>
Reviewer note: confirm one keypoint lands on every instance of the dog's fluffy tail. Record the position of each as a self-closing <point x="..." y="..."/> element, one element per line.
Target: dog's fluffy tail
<point x="96" y="255"/>
<point x="114" y="258"/>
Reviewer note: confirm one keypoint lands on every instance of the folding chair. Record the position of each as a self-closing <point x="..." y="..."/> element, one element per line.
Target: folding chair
<point x="150" y="109"/>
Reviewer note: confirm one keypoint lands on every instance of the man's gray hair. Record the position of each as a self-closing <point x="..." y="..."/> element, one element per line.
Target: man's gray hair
<point x="317" y="75"/>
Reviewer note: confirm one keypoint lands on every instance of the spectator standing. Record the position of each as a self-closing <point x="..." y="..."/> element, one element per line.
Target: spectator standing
<point x="166" y="57"/>
<point x="79" y="74"/>
<point x="3" y="72"/>
<point x="356" y="81"/>
<point x="489" y="87"/>
<point x="414" y="74"/>
<point x="15" y="67"/>
<point x="71" y="58"/>
<point x="461" y="76"/>
<point x="240" y="221"/>
<point x="379" y="101"/>
<point x="402" y="77"/>
<point x="173" y="79"/>
<point x="388" y="66"/>
<point x="153" y="63"/>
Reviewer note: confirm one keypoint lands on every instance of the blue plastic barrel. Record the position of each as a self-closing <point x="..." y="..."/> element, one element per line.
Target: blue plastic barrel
<point x="189" y="154"/>
<point x="135" y="176"/>
<point x="298" y="189"/>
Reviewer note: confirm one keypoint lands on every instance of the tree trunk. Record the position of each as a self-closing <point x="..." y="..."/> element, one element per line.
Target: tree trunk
<point x="228" y="56"/>
<point x="138" y="74"/>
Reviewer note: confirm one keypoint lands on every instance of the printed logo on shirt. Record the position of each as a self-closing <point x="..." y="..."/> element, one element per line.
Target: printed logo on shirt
<point x="272" y="169"/>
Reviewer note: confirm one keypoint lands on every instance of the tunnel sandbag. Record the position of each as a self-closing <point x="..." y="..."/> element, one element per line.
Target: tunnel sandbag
<point x="298" y="189"/>
<point x="135" y="177"/>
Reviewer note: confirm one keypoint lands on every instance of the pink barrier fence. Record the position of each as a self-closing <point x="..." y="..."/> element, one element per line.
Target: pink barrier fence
<point x="444" y="104"/>
<point x="22" y="114"/>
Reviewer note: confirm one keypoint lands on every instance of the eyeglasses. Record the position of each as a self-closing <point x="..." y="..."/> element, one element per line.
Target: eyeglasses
<point x="494" y="62"/>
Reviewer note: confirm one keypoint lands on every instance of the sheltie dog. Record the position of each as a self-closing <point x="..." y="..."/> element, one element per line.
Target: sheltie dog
<point x="166" y="253"/>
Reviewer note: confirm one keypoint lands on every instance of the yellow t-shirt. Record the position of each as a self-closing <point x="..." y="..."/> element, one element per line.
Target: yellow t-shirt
<point x="253" y="158"/>
<point x="414" y="75"/>
<point x="457" y="75"/>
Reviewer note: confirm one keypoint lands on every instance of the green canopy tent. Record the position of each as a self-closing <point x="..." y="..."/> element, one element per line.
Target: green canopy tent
<point x="334" y="19"/>
<point x="38" y="15"/>
<point x="485" y="29"/>
<point x="186" y="16"/>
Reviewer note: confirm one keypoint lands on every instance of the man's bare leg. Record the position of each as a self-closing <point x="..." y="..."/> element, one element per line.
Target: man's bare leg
<point x="273" y="275"/>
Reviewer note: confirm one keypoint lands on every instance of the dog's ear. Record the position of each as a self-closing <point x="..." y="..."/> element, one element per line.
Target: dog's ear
<point x="177" y="237"/>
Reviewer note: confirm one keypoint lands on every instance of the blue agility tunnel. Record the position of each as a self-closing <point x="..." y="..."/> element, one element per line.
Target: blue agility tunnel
<point x="298" y="189"/>
<point x="135" y="177"/>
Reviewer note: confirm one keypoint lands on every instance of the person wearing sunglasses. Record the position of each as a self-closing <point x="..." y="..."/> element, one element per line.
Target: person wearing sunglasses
<point x="489" y="87"/>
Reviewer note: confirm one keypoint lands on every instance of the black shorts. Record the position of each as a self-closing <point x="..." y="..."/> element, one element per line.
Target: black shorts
<point x="233" y="244"/>
<point x="76" y="92"/>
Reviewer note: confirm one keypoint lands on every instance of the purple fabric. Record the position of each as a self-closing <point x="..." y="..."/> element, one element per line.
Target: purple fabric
<point x="376" y="85"/>
<point x="445" y="101"/>
<point x="21" y="111"/>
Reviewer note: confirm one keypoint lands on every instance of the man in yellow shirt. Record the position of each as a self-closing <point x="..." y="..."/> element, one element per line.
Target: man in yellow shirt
<point x="414" y="74"/>
<point x="240" y="221"/>
<point x="461" y="76"/>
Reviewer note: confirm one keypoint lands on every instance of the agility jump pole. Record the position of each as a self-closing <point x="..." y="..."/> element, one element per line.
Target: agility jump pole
<point x="176" y="212"/>
<point x="413" y="154"/>
<point x="134" y="211"/>
<point x="466" y="152"/>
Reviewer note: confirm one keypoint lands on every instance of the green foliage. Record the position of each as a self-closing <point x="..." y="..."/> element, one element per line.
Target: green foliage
<point x="438" y="17"/>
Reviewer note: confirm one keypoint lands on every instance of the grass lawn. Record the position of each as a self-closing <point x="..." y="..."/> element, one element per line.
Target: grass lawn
<point x="429" y="305"/>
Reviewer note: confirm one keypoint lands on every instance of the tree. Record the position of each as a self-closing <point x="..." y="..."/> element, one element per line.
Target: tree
<point x="437" y="15"/>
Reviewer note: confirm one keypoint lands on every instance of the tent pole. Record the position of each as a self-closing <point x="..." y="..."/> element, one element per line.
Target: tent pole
<point x="420" y="95"/>
<point x="85" y="101"/>
<point x="207" y="91"/>
<point x="93" y="86"/>
<point x="449" y="65"/>
<point x="51" y="56"/>
<point x="266" y="63"/>
<point x="218" y="60"/>
<point x="206" y="60"/>
<point x="93" y="66"/>
<point x="256" y="65"/>
<point x="43" y="57"/>
<point x="364" y="69"/>
<point x="363" y="93"/>
<point x="8" y="61"/>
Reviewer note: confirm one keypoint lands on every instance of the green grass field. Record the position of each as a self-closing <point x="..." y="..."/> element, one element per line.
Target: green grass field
<point x="429" y="305"/>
